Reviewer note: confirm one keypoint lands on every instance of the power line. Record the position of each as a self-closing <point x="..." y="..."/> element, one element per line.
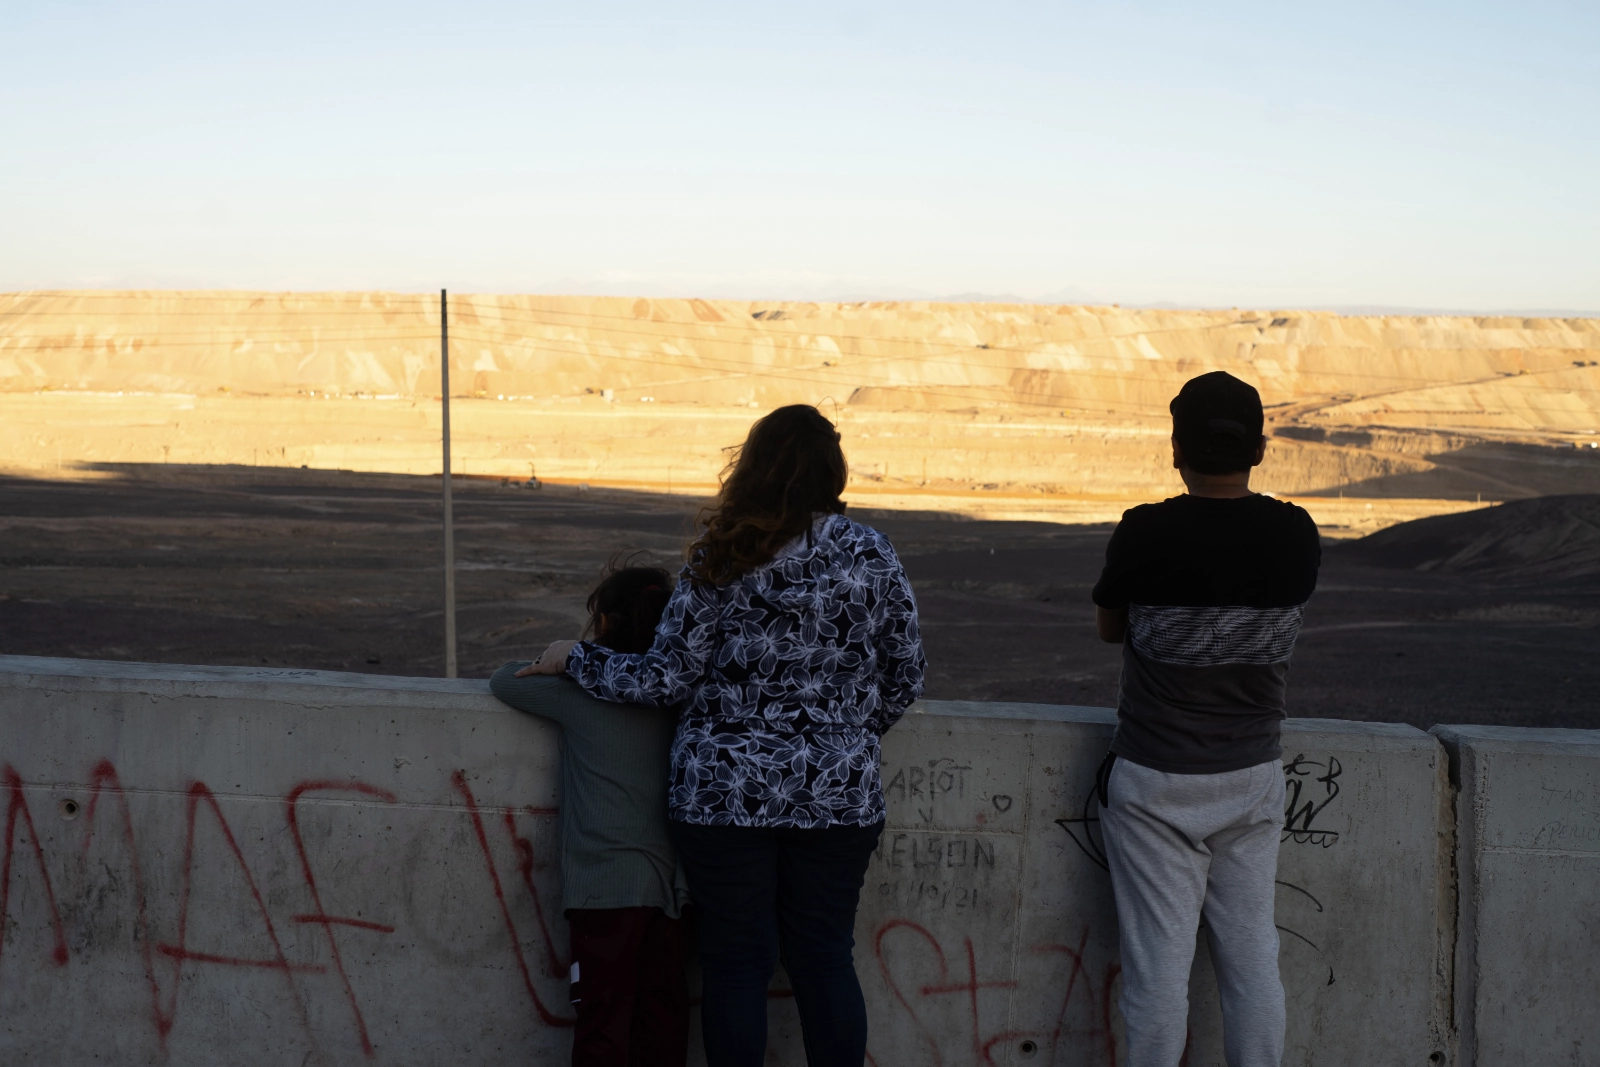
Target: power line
<point x="320" y="313"/>
<point x="748" y="328"/>
<point x="331" y="335"/>
<point x="238" y="334"/>
<point x="188" y="296"/>
<point x="151" y="346"/>
<point x="725" y="367"/>
<point x="764" y="336"/>
<point x="398" y="302"/>
<point x="970" y="348"/>
<point x="742" y="369"/>
<point x="238" y="337"/>
<point x="983" y="392"/>
<point x="925" y="343"/>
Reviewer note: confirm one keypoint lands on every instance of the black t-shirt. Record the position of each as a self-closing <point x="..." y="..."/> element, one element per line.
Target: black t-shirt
<point x="1215" y="589"/>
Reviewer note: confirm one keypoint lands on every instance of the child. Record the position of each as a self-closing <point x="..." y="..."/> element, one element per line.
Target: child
<point x="621" y="888"/>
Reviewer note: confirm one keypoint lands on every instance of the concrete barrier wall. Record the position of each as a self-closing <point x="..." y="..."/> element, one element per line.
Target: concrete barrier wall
<point x="267" y="866"/>
<point x="1528" y="830"/>
<point x="214" y="865"/>
<point x="988" y="934"/>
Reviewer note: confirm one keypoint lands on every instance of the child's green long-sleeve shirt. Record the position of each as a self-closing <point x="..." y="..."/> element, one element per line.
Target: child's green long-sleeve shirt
<point x="615" y="852"/>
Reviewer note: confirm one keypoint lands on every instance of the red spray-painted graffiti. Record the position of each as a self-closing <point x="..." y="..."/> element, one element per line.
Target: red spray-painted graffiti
<point x="942" y="986"/>
<point x="17" y="804"/>
<point x="459" y="780"/>
<point x="919" y="973"/>
<point x="181" y="952"/>
<point x="1080" y="987"/>
<point x="105" y="781"/>
<point x="1100" y="1031"/>
<point x="105" y="776"/>
<point x="555" y="967"/>
<point x="321" y="915"/>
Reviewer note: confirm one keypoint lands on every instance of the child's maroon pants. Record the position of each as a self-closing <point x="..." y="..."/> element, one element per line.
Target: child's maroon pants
<point x="628" y="987"/>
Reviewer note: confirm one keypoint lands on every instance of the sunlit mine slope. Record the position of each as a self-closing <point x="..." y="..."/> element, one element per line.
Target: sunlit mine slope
<point x="993" y="409"/>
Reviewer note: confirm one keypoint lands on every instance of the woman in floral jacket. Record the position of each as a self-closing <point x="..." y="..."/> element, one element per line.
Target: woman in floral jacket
<point x="788" y="648"/>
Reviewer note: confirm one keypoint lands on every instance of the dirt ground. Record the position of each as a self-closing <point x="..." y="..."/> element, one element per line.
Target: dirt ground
<point x="261" y="566"/>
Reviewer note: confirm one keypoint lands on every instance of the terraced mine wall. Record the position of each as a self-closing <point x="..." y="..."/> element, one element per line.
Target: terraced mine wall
<point x="999" y="410"/>
<point x="270" y="866"/>
<point x="1438" y="371"/>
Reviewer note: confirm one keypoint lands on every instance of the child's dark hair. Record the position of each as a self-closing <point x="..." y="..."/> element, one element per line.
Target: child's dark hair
<point x="626" y="606"/>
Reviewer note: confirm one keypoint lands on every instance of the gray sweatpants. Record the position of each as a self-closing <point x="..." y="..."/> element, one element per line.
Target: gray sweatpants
<point x="1181" y="846"/>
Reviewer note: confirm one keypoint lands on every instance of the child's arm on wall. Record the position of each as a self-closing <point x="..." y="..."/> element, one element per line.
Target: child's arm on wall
<point x="536" y="695"/>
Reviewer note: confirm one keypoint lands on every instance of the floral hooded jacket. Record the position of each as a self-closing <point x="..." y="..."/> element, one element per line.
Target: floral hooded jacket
<point x="786" y="678"/>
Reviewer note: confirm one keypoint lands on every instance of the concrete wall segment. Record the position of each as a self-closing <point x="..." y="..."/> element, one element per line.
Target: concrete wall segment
<point x="324" y="868"/>
<point x="1528" y="862"/>
<point x="283" y="866"/>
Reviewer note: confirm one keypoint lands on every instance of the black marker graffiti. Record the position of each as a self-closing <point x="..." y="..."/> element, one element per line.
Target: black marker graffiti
<point x="1298" y="773"/>
<point x="1314" y="902"/>
<point x="1082" y="830"/>
<point x="1087" y="843"/>
<point x="1302" y="937"/>
<point x="1302" y="891"/>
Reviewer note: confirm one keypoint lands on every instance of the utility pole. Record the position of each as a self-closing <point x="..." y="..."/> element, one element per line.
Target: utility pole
<point x="449" y="508"/>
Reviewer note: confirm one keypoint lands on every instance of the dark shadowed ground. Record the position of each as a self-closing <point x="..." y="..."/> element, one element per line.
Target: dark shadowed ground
<point x="341" y="571"/>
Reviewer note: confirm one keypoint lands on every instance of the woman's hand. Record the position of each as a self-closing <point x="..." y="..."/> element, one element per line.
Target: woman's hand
<point x="553" y="661"/>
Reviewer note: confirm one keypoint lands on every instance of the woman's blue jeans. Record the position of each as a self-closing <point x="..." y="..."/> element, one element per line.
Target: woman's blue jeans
<point x="762" y="894"/>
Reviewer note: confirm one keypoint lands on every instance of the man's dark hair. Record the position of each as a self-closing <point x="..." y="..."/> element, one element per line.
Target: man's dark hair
<point x="626" y="606"/>
<point x="1217" y="420"/>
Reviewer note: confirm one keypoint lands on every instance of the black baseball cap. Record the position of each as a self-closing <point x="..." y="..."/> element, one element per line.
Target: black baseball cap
<point x="1217" y="420"/>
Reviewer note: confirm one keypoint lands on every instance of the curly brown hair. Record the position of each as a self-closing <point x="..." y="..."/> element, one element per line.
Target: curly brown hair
<point x="789" y="468"/>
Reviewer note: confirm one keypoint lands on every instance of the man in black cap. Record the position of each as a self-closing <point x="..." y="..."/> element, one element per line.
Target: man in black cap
<point x="1205" y="593"/>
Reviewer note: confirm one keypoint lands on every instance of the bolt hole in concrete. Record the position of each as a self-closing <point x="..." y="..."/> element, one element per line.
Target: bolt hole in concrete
<point x="69" y="808"/>
<point x="1027" y="1048"/>
<point x="1436" y="1057"/>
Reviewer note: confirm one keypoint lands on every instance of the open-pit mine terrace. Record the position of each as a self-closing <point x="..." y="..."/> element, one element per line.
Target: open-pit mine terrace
<point x="992" y="410"/>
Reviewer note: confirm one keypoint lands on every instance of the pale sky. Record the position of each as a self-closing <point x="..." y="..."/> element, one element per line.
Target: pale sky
<point x="1440" y="155"/>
